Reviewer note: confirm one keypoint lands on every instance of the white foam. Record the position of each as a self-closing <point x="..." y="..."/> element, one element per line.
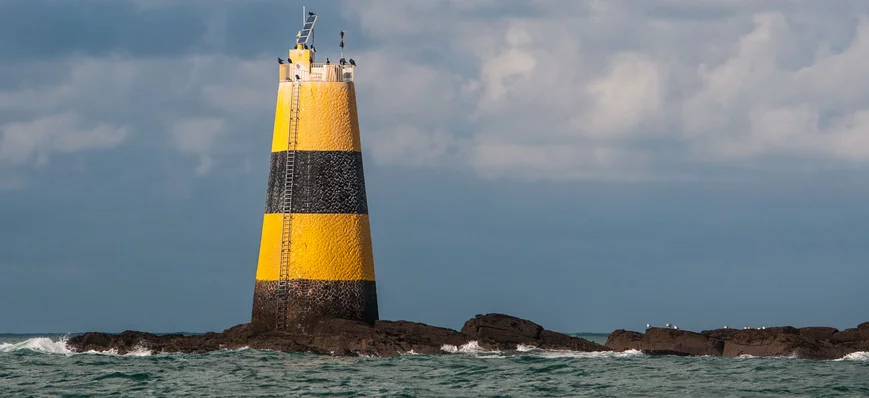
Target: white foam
<point x="525" y="348"/>
<point x="471" y="347"/>
<point x="749" y="356"/>
<point x="138" y="351"/>
<point x="862" y="356"/>
<point x="474" y="348"/>
<point x="46" y="345"/>
<point x="38" y="344"/>
<point x="589" y="355"/>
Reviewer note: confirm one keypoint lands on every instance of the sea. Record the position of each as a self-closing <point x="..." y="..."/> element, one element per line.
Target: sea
<point x="43" y="366"/>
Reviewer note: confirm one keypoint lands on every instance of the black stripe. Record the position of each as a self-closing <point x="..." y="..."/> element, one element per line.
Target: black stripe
<point x="313" y="300"/>
<point x="330" y="182"/>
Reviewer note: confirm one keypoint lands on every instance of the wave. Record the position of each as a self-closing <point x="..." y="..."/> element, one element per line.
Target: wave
<point x="582" y="354"/>
<point x="862" y="356"/>
<point x="473" y="348"/>
<point x="749" y="356"/>
<point x="44" y="345"/>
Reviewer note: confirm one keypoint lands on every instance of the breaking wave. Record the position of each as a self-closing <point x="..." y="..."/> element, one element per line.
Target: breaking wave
<point x="473" y="348"/>
<point x="44" y="345"/>
<point x="862" y="356"/>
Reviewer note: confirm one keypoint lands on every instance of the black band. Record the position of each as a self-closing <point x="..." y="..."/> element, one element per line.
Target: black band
<point x="324" y="182"/>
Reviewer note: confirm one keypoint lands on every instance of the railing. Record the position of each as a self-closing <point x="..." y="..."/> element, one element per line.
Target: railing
<point x="321" y="72"/>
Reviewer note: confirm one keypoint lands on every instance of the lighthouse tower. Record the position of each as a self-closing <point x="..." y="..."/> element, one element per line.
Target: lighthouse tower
<point x="315" y="258"/>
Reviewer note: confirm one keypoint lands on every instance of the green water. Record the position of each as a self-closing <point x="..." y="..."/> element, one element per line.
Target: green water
<point x="31" y="366"/>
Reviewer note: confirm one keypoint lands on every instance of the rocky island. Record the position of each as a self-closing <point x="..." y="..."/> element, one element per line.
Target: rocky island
<point x="783" y="341"/>
<point x="496" y="332"/>
<point x="341" y="337"/>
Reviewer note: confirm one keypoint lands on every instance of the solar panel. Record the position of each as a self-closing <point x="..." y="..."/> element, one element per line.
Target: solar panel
<point x="307" y="29"/>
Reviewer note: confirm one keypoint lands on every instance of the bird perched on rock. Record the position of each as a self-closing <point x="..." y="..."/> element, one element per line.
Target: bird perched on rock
<point x="342" y="61"/>
<point x="352" y="62"/>
<point x="280" y="61"/>
<point x="327" y="60"/>
<point x="313" y="48"/>
<point x="298" y="78"/>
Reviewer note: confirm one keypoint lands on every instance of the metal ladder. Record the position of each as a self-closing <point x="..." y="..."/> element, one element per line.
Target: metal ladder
<point x="283" y="290"/>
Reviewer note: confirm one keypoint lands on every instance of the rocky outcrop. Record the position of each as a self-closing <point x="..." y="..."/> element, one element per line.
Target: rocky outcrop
<point x="660" y="341"/>
<point x="624" y="340"/>
<point x="346" y="338"/>
<point x="808" y="343"/>
<point x="505" y="332"/>
<point x="818" y="333"/>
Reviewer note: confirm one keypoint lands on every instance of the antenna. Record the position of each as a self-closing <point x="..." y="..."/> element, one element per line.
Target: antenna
<point x="342" y="44"/>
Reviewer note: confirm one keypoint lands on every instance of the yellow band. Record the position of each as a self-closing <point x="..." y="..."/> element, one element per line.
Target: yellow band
<point x="323" y="247"/>
<point x="327" y="117"/>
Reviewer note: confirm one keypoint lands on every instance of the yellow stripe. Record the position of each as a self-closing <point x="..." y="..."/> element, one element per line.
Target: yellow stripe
<point x="323" y="247"/>
<point x="327" y="117"/>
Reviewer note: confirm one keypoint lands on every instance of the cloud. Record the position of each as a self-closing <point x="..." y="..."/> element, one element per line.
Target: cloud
<point x="407" y="145"/>
<point x="99" y="102"/>
<point x="576" y="90"/>
<point x="526" y="89"/>
<point x="60" y="133"/>
<point x="198" y="137"/>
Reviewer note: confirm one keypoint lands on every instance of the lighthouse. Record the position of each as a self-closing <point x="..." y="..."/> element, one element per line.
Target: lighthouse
<point x="315" y="258"/>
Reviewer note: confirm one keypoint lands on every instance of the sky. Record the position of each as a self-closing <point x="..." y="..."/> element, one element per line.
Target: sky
<point x="588" y="165"/>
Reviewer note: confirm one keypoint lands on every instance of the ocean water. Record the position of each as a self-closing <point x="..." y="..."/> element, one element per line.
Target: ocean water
<point x="42" y="366"/>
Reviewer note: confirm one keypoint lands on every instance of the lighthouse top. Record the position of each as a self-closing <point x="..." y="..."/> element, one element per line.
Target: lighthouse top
<point x="300" y="65"/>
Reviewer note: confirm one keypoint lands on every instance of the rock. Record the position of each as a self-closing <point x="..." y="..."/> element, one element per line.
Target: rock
<point x="847" y="336"/>
<point x="817" y="333"/>
<point x="550" y="340"/>
<point x="501" y="331"/>
<point x="505" y="332"/>
<point x="624" y="340"/>
<point x="784" y="341"/>
<point x="491" y="331"/>
<point x="344" y="338"/>
<point x="768" y="343"/>
<point x="864" y="330"/>
<point x="662" y="341"/>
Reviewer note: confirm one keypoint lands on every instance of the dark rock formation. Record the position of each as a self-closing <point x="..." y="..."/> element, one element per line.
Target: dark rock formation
<point x="504" y="332"/>
<point x="818" y="333"/>
<point x="660" y="341"/>
<point x="808" y="343"/>
<point x="346" y="338"/>
<point x="623" y="340"/>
